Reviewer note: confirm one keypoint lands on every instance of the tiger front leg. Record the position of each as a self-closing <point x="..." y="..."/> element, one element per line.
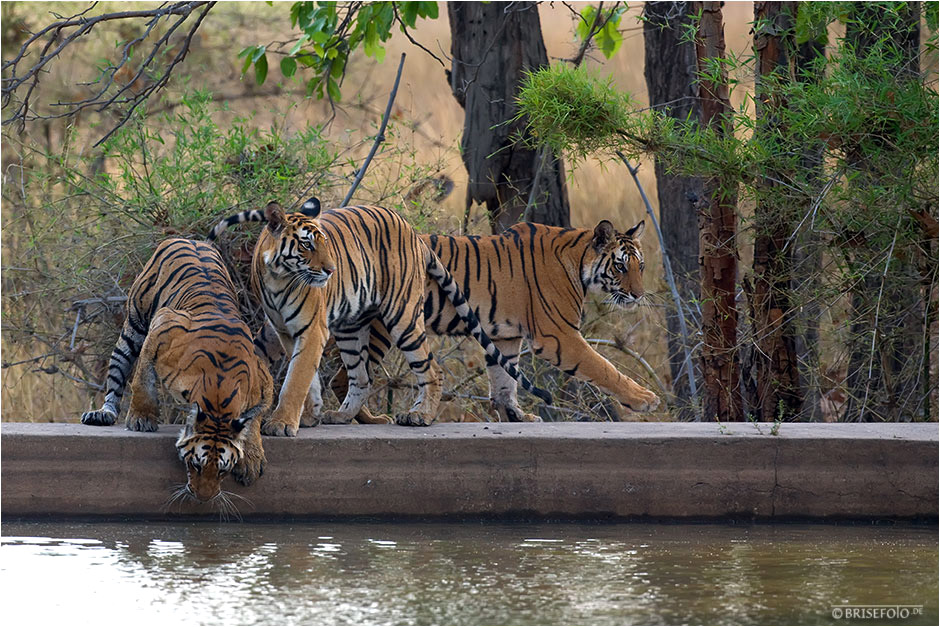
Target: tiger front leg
<point x="312" y="413"/>
<point x="251" y="464"/>
<point x="354" y="351"/>
<point x="577" y="357"/>
<point x="305" y="359"/>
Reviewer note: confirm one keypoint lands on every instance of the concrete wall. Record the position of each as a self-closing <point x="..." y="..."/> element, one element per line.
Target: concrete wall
<point x="596" y="470"/>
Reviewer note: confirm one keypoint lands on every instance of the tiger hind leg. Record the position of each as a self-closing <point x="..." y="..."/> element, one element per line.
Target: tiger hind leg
<point x="144" y="411"/>
<point x="503" y="387"/>
<point x="122" y="362"/>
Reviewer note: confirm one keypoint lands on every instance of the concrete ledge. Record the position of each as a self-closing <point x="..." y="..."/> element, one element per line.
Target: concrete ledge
<point x="595" y="470"/>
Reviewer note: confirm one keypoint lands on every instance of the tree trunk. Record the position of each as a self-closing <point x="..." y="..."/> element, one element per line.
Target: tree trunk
<point x="670" y="81"/>
<point x="807" y="256"/>
<point x="492" y="45"/>
<point x="776" y="393"/>
<point x="717" y="233"/>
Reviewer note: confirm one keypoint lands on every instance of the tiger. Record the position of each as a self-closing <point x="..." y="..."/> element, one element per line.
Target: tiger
<point x="183" y="332"/>
<point x="381" y="268"/>
<point x="530" y="282"/>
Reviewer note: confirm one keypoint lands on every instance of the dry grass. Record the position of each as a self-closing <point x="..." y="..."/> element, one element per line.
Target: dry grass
<point x="428" y="122"/>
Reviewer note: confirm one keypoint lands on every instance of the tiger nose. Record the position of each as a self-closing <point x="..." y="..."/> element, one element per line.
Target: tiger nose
<point x="329" y="270"/>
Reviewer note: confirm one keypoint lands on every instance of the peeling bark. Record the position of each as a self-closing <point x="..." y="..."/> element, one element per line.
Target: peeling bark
<point x="717" y="239"/>
<point x="776" y="389"/>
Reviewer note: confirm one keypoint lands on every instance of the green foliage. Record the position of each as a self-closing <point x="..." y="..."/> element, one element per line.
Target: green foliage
<point x="571" y="110"/>
<point x="608" y="37"/>
<point x="330" y="32"/>
<point x="181" y="177"/>
<point x="813" y="19"/>
<point x="579" y="114"/>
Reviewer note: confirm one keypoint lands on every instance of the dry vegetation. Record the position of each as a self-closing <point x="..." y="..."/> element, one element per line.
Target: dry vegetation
<point x="423" y="145"/>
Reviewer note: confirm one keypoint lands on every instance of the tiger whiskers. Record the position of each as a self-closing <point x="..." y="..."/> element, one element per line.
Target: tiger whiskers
<point x="222" y="502"/>
<point x="621" y="300"/>
<point x="179" y="495"/>
<point x="226" y="508"/>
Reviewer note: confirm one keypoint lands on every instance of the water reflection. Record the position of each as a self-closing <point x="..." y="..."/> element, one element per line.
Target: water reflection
<point x="458" y="574"/>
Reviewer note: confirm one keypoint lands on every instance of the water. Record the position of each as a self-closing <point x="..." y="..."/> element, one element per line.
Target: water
<point x="469" y="573"/>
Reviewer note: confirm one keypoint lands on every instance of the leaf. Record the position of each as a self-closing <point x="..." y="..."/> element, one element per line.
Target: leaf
<point x="288" y="66"/>
<point x="259" y="52"/>
<point x="297" y="46"/>
<point x="261" y="69"/>
<point x="247" y="63"/>
<point x="428" y="10"/>
<point x="586" y="22"/>
<point x="333" y="89"/>
<point x="609" y="39"/>
<point x="409" y="12"/>
<point x="336" y="68"/>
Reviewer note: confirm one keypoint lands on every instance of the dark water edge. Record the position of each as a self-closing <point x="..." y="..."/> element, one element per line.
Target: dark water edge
<point x="483" y="572"/>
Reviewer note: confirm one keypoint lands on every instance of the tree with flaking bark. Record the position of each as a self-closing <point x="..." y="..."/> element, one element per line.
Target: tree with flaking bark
<point x="493" y="44"/>
<point x="775" y="392"/>
<point x="670" y="71"/>
<point x="807" y="247"/>
<point x="717" y="232"/>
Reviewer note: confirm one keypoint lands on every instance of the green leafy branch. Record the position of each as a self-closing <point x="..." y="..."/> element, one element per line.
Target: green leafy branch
<point x="329" y="33"/>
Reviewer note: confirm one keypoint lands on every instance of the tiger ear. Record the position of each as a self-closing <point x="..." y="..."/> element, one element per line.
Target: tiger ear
<point x="637" y="231"/>
<point x="274" y="215"/>
<point x="311" y="208"/>
<point x="191" y="415"/>
<point x="603" y="233"/>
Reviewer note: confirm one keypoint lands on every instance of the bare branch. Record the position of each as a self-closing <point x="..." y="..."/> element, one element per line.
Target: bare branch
<point x="50" y="41"/>
<point x="380" y="137"/>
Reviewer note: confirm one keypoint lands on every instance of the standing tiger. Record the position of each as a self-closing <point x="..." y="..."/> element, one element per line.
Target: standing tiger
<point x="182" y="331"/>
<point x="530" y="282"/>
<point x="381" y="269"/>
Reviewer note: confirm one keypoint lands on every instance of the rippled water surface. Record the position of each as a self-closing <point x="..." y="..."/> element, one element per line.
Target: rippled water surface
<point x="468" y="573"/>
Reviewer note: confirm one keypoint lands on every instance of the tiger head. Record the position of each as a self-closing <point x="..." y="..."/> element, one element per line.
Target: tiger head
<point x="222" y="414"/>
<point x="618" y="269"/>
<point x="210" y="448"/>
<point x="299" y="248"/>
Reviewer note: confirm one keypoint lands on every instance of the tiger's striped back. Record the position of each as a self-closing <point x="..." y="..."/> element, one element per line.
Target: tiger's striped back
<point x="381" y="272"/>
<point x="530" y="283"/>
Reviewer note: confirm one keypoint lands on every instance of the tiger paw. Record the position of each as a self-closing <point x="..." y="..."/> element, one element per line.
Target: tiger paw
<point x="101" y="418"/>
<point x="414" y="419"/>
<point x="279" y="428"/>
<point x="248" y="469"/>
<point x="510" y="413"/>
<point x="366" y="417"/>
<point x="646" y="401"/>
<point x="309" y="418"/>
<point x="140" y="422"/>
<point x="334" y="417"/>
